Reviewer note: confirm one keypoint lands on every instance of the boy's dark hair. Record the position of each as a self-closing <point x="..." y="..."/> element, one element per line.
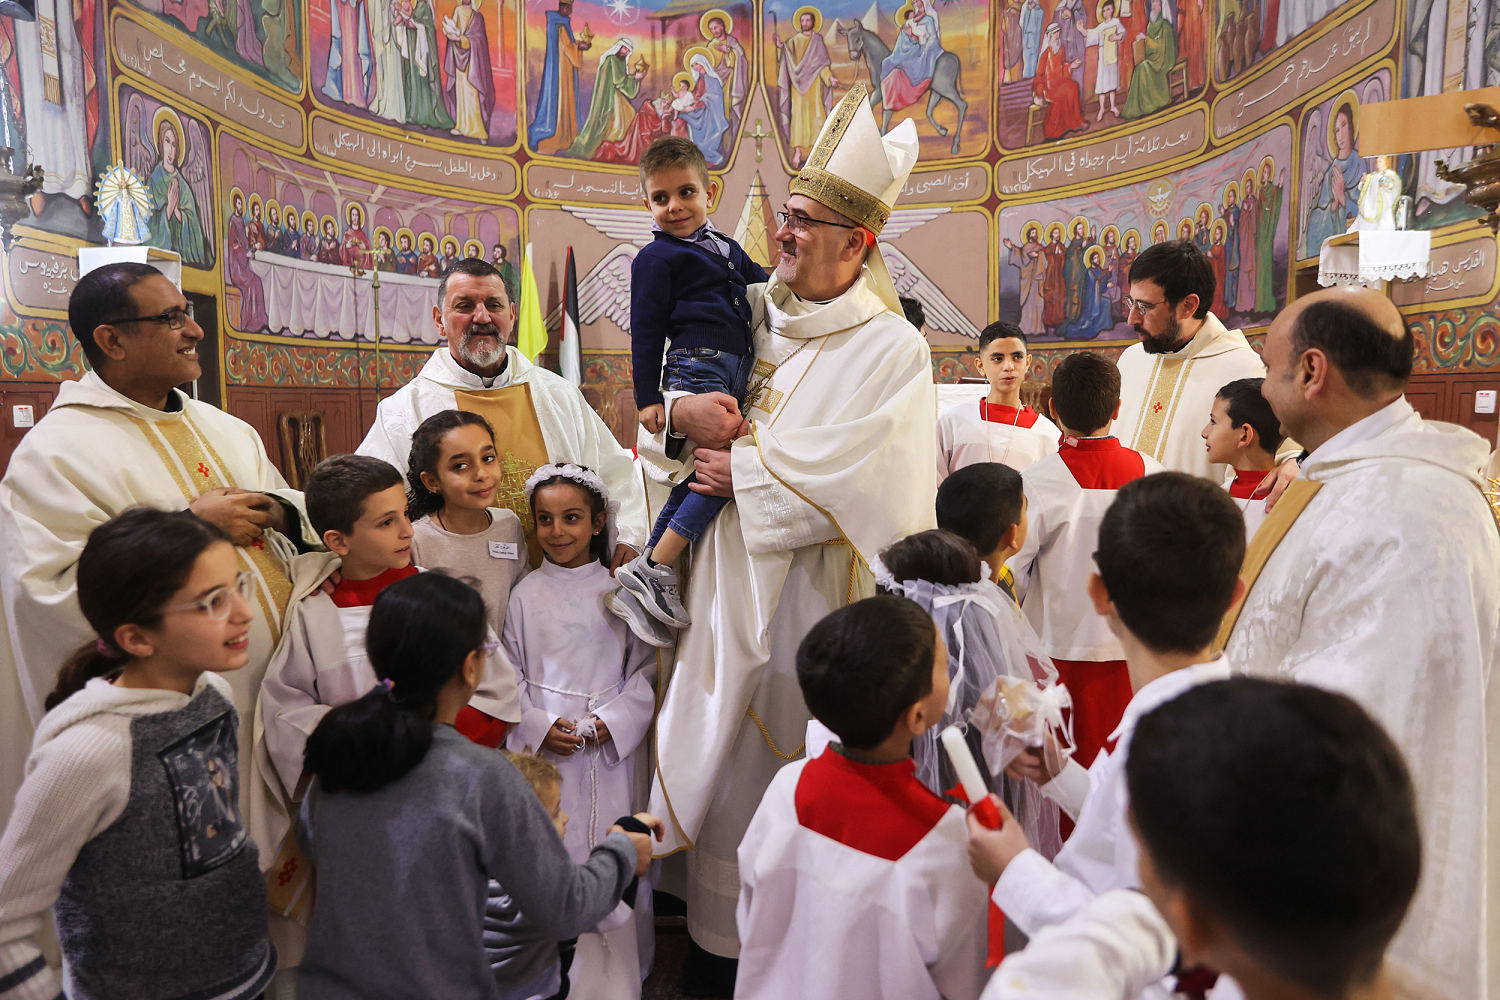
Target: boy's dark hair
<point x="426" y="447"/>
<point x="421" y="631"/>
<point x="1248" y="406"/>
<point x="936" y="556"/>
<point x="1288" y="814"/>
<point x="1170" y="550"/>
<point x="475" y="266"/>
<point x="101" y="297"/>
<point x="1181" y="269"/>
<point x="999" y="330"/>
<point x="1371" y="358"/>
<point x="131" y="566"/>
<point x="336" y="491"/>
<point x="979" y="503"/>
<point x="864" y="665"/>
<point x="672" y="151"/>
<point x="1085" y="391"/>
<point x="915" y="314"/>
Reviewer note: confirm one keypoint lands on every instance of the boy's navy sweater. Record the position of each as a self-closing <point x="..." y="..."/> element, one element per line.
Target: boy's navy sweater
<point x="691" y="295"/>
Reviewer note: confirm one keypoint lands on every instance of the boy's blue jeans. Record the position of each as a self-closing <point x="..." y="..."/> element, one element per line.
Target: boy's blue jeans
<point x="698" y="370"/>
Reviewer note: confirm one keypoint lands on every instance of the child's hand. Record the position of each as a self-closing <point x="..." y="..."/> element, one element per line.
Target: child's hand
<point x="653" y="417"/>
<point x="602" y="734"/>
<point x="991" y="851"/>
<point x="641" y="841"/>
<point x="1037" y="764"/>
<point x="561" y="739"/>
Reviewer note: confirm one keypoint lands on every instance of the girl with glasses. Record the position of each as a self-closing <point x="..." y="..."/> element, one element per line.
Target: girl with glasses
<point x="129" y="814"/>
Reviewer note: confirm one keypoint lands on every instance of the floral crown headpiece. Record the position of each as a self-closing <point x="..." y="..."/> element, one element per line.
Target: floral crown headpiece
<point x="568" y="470"/>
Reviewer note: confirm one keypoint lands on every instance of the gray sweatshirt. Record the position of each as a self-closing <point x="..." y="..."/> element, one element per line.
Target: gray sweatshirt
<point x="403" y="872"/>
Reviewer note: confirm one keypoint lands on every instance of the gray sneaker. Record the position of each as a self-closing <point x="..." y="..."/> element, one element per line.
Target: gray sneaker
<point x="627" y="607"/>
<point x="656" y="587"/>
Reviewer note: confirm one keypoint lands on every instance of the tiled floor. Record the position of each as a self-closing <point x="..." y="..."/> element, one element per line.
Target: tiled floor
<point x="666" y="971"/>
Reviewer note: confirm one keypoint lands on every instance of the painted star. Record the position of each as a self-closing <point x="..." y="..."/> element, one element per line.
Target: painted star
<point x="621" y="11"/>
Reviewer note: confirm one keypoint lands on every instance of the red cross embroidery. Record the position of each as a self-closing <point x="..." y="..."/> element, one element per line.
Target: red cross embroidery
<point x="202" y="470"/>
<point x="258" y="544"/>
<point x="1155" y="407"/>
<point x="288" y="871"/>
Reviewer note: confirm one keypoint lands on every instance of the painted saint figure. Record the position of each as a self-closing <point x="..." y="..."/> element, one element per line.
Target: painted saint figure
<point x="329" y="249"/>
<point x="354" y="248"/>
<point x="307" y="246"/>
<point x="406" y="257"/>
<point x="1056" y="89"/>
<point x="1244" y="294"/>
<point x="1271" y="189"/>
<point x="175" y="220"/>
<point x="1033" y="21"/>
<point x="555" y="124"/>
<point x="804" y="75"/>
<point x="1149" y="92"/>
<point x="1334" y="205"/>
<point x="731" y="64"/>
<point x="422" y="88"/>
<point x="610" y="110"/>
<point x="1027" y="258"/>
<point x="350" y="60"/>
<point x="1109" y="36"/>
<point x="252" y="318"/>
<point x="470" y="91"/>
<point x="907" y="71"/>
<point x="1054" y="287"/>
<point x="706" y="121"/>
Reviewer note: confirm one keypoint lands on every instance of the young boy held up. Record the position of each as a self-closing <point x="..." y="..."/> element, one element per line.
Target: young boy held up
<point x="357" y="504"/>
<point x="1067" y="494"/>
<point x="688" y="295"/>
<point x="1168" y="557"/>
<point x="1001" y="428"/>
<point x="853" y="878"/>
<point x="1278" y="841"/>
<point x="985" y="505"/>
<point x="1243" y="433"/>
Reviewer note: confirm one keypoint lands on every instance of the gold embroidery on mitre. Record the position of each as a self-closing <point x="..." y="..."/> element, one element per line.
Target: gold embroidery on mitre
<point x="815" y="182"/>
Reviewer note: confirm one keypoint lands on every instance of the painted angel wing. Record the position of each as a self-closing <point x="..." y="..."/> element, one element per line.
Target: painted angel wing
<point x="904" y="220"/>
<point x="941" y="313"/>
<point x="604" y="291"/>
<point x="630" y="224"/>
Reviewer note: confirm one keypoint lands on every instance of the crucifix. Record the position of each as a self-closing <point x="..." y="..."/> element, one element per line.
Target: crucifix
<point x="759" y="135"/>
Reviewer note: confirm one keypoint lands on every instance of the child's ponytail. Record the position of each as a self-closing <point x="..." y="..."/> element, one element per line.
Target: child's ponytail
<point x="131" y="566"/>
<point x="426" y="449"/>
<point x="421" y="631"/>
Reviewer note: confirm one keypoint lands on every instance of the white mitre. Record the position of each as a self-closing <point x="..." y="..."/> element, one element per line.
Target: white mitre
<point x="859" y="173"/>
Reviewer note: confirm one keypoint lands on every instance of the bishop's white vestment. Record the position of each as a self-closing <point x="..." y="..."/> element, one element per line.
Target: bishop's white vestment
<point x="1165" y="399"/>
<point x="857" y="884"/>
<point x="1386" y="587"/>
<point x="839" y="462"/>
<point x="95" y="454"/>
<point x="570" y="428"/>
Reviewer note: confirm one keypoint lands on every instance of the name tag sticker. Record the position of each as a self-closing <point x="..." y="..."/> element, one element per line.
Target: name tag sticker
<point x="504" y="550"/>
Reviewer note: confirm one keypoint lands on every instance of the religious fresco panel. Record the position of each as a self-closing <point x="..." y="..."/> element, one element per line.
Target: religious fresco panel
<point x="312" y="275"/>
<point x="1331" y="165"/>
<point x="1066" y="261"/>
<point x="171" y="152"/>
<point x="604" y="79"/>
<point x="1248" y="32"/>
<point x="926" y="60"/>
<point x="262" y="37"/>
<point x="439" y="68"/>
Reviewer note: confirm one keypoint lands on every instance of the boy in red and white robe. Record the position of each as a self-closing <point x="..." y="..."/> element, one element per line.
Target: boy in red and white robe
<point x="854" y="877"/>
<point x="1244" y="434"/>
<point x="999" y="428"/>
<point x="1066" y="496"/>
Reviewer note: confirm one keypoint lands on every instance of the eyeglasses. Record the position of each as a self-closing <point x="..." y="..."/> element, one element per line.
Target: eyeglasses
<point x="1139" y="306"/>
<point x="176" y="318"/>
<point x="799" y="223"/>
<point x="217" y="602"/>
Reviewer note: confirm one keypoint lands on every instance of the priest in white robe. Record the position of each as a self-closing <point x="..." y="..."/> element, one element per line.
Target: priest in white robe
<point x="1185" y="356"/>
<point x="1378" y="575"/>
<point x="119" y="437"/>
<point x="538" y="416"/>
<point x="837" y="460"/>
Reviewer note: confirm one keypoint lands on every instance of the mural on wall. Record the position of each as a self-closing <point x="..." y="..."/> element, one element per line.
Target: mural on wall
<point x="1249" y="32"/>
<point x="262" y="36"/>
<point x="1069" y="258"/>
<point x="920" y="59"/>
<point x="297" y="151"/>
<point x="1331" y="165"/>
<point x="173" y="153"/>
<point x="302" y="245"/>
<point x="438" y="66"/>
<point x="603" y="80"/>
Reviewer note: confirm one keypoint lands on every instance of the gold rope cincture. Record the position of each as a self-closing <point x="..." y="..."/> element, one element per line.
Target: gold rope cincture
<point x="766" y="733"/>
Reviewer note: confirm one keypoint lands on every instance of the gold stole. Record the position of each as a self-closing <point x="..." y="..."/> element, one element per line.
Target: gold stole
<point x="1160" y="405"/>
<point x="197" y="469"/>
<point x="1272" y="530"/>
<point x="523" y="450"/>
